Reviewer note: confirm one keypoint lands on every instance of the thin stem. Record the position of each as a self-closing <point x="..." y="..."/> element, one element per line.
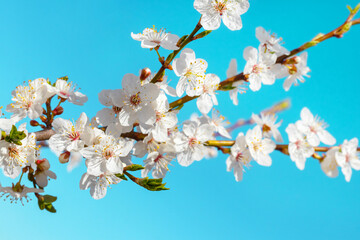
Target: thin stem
<point x="157" y="51"/>
<point x="132" y="178"/>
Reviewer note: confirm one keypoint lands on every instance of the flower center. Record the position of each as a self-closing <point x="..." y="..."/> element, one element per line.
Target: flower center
<point x="108" y="153"/>
<point x="193" y="141"/>
<point x="257" y="69"/>
<point x="159" y="116"/>
<point x="158" y="158"/>
<point x="74" y="135"/>
<point x="239" y="157"/>
<point x="220" y="7"/>
<point x="65" y="93"/>
<point x="256" y="146"/>
<point x="266" y="128"/>
<point x="135" y="99"/>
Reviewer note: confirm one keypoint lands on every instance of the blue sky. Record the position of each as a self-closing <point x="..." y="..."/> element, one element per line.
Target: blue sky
<point x="90" y="42"/>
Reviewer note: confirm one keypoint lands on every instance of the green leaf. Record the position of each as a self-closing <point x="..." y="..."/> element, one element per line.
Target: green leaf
<point x="15" y="136"/>
<point x="181" y="40"/>
<point x="49" y="207"/>
<point x="202" y="34"/>
<point x="3" y="134"/>
<point x="227" y="87"/>
<point x="49" y="199"/>
<point x="169" y="58"/>
<point x="65" y="78"/>
<point x="121" y="176"/>
<point x="134" y="167"/>
<point x="153" y="184"/>
<point x="41" y="204"/>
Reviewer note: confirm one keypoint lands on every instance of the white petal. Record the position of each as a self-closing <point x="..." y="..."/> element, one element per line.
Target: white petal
<point x="204" y="103"/>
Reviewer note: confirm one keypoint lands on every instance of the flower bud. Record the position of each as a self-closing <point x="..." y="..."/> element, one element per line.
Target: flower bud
<point x="43" y="119"/>
<point x="34" y="123"/>
<point x="64" y="157"/>
<point x="145" y="73"/>
<point x="43" y="164"/>
<point x="58" y="110"/>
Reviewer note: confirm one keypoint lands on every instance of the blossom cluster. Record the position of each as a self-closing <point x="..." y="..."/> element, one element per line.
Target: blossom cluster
<point x="137" y="121"/>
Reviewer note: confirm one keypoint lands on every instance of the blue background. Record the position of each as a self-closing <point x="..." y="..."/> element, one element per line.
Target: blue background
<point x="90" y="42"/>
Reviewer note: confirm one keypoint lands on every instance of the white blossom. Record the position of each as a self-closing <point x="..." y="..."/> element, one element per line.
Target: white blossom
<point x="148" y="145"/>
<point x="347" y="158"/>
<point x="109" y="117"/>
<point x="66" y="90"/>
<point x="135" y="102"/>
<point x="151" y="38"/>
<point x="258" y="68"/>
<point x="13" y="157"/>
<point x="28" y="100"/>
<point x="329" y="165"/>
<point x="268" y="125"/>
<point x="18" y="193"/>
<point x="192" y="142"/>
<point x="299" y="148"/>
<point x="98" y="184"/>
<point x="219" y="123"/>
<point x="259" y="147"/>
<point x="106" y="155"/>
<point x="68" y="137"/>
<point x="158" y="161"/>
<point x="239" y="158"/>
<point x="314" y="129"/>
<point x="269" y="43"/>
<point x="191" y="71"/>
<point x="293" y="69"/>
<point x="228" y="10"/>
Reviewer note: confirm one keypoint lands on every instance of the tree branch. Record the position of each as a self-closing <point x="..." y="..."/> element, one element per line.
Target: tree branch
<point x="338" y="32"/>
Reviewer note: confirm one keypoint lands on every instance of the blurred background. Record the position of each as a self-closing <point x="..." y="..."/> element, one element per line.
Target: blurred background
<point x="90" y="42"/>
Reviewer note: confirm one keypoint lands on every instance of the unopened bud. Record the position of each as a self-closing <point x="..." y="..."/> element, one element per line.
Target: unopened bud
<point x="43" y="118"/>
<point x="145" y="73"/>
<point x="43" y="164"/>
<point x="34" y="123"/>
<point x="64" y="157"/>
<point x="58" y="110"/>
<point x="169" y="67"/>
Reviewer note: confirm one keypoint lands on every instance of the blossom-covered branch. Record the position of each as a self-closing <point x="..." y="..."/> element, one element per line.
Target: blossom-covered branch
<point x="226" y="84"/>
<point x="137" y="122"/>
